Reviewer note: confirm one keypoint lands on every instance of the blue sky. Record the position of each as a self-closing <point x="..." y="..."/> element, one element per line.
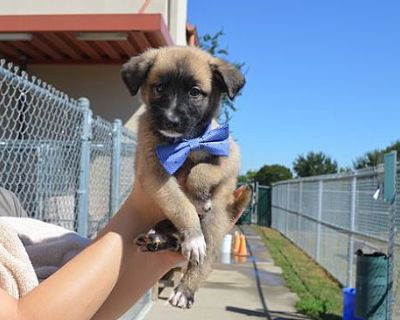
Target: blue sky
<point x="322" y="75"/>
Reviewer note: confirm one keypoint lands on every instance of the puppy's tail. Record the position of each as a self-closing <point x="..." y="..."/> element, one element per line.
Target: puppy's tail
<point x="242" y="198"/>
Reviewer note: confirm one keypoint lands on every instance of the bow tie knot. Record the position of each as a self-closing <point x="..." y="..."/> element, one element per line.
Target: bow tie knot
<point x="194" y="144"/>
<point x="214" y="141"/>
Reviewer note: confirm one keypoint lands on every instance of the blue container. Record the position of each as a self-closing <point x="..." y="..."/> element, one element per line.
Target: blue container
<point x="349" y="301"/>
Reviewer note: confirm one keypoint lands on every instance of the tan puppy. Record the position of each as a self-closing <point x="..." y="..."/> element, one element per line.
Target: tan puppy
<point x="182" y="88"/>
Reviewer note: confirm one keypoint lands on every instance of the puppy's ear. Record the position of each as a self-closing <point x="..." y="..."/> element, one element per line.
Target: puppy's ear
<point x="229" y="78"/>
<point x="135" y="71"/>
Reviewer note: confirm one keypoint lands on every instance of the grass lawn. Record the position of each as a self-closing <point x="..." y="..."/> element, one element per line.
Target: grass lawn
<point x="320" y="295"/>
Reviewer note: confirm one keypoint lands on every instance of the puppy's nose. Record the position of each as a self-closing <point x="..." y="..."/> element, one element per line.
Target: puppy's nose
<point x="172" y="118"/>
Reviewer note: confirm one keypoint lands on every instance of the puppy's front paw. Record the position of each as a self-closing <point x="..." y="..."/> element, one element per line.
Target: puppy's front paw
<point x="181" y="298"/>
<point x="194" y="248"/>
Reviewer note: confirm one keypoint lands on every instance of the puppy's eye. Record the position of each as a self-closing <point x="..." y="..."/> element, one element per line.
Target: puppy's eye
<point x="195" y="92"/>
<point x="159" y="88"/>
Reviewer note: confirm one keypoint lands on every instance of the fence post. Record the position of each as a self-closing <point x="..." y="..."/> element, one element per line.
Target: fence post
<point x="287" y="211"/>
<point x="83" y="191"/>
<point x="116" y="167"/>
<point x="299" y="217"/>
<point x="350" y="254"/>
<point x="319" y="219"/>
<point x="254" y="213"/>
<point x="389" y="195"/>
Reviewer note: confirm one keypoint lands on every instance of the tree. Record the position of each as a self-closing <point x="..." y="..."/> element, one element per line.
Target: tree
<point x="314" y="164"/>
<point x="395" y="146"/>
<point x="369" y="159"/>
<point x="211" y="44"/>
<point x="269" y="174"/>
<point x="375" y="157"/>
<point x="247" y="177"/>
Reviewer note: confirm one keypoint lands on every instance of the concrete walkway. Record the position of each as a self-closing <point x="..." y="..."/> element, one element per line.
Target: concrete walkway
<point x="250" y="289"/>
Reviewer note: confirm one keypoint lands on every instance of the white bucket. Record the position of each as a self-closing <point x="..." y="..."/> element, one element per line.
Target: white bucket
<point x="225" y="258"/>
<point x="227" y="244"/>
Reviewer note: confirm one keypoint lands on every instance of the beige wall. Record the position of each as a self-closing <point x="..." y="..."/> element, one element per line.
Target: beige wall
<point x="101" y="84"/>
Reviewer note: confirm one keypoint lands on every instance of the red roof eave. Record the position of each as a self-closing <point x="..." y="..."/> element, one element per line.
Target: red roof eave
<point x="85" y="23"/>
<point x="54" y="38"/>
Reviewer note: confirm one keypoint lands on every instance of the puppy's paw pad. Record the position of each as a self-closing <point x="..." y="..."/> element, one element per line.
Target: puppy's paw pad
<point x="194" y="248"/>
<point x="181" y="299"/>
<point x="142" y="240"/>
<point x="151" y="242"/>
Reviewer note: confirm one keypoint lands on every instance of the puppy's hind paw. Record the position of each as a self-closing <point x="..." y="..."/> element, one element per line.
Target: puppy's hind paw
<point x="181" y="299"/>
<point x="153" y="242"/>
<point x="142" y="240"/>
<point x="194" y="248"/>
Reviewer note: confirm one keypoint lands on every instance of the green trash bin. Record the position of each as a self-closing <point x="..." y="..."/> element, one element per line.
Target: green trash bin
<point x="372" y="286"/>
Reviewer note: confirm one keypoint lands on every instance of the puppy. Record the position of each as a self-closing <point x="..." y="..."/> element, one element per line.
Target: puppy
<point x="180" y="140"/>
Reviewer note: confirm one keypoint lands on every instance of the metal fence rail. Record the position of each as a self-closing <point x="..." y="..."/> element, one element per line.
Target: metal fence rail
<point x="65" y="166"/>
<point x="332" y="216"/>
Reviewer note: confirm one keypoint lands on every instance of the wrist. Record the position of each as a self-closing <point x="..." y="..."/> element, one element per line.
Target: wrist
<point x="145" y="211"/>
<point x="172" y="259"/>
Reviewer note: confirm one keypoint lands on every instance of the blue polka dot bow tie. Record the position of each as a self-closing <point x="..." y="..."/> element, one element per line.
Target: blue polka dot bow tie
<point x="214" y="141"/>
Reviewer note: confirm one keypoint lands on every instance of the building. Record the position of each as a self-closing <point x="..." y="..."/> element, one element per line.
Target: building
<point x="79" y="46"/>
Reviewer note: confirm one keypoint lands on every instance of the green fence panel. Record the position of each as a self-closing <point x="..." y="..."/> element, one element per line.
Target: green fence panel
<point x="264" y="206"/>
<point x="246" y="216"/>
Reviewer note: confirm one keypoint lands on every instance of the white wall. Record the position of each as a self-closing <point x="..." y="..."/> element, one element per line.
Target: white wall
<point x="102" y="84"/>
<point x="173" y="11"/>
<point x="177" y="21"/>
<point x="81" y="6"/>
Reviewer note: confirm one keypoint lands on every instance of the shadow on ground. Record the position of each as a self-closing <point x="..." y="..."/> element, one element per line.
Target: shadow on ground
<point x="277" y="315"/>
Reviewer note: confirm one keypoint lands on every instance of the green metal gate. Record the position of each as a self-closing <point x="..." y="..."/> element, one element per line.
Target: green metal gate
<point x="259" y="211"/>
<point x="264" y="206"/>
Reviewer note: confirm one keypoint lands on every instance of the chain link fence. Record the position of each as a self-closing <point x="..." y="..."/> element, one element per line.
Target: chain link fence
<point x="65" y="166"/>
<point x="331" y="217"/>
<point x="59" y="160"/>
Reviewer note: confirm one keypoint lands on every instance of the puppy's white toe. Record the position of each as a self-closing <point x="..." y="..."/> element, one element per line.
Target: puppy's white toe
<point x="207" y="205"/>
<point x="195" y="248"/>
<point x="202" y="206"/>
<point x="174" y="298"/>
<point x="182" y="303"/>
<point x="178" y="299"/>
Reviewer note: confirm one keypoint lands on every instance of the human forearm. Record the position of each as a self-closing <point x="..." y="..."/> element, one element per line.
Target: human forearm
<point x="143" y="271"/>
<point x="78" y="289"/>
